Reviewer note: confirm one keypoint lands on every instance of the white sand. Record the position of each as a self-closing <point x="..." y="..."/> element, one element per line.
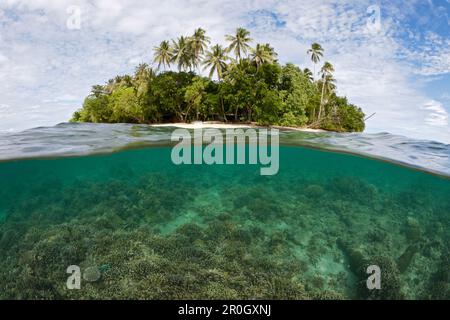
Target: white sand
<point x="221" y="125"/>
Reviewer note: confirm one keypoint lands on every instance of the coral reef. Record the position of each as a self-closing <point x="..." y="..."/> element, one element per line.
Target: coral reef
<point x="413" y="231"/>
<point x="406" y="258"/>
<point x="142" y="231"/>
<point x="391" y="283"/>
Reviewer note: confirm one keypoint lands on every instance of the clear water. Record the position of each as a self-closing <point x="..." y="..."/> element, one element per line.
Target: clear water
<point x="154" y="230"/>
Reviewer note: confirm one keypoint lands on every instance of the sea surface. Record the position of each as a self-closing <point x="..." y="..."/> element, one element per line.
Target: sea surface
<point x="108" y="200"/>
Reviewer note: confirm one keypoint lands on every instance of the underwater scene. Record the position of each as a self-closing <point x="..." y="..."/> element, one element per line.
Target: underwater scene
<point x="140" y="227"/>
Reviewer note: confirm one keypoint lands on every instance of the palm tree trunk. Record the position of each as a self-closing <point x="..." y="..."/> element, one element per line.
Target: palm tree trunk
<point x="314" y="75"/>
<point x="223" y="110"/>
<point x="181" y="114"/>
<point x="221" y="102"/>
<point x="321" y="98"/>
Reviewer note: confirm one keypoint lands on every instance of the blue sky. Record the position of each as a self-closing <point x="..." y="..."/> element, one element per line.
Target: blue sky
<point x="397" y="66"/>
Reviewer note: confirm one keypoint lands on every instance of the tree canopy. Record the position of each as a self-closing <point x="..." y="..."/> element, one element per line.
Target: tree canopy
<point x="248" y="86"/>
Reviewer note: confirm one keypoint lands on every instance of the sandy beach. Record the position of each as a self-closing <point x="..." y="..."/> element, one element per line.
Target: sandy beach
<point x="222" y="125"/>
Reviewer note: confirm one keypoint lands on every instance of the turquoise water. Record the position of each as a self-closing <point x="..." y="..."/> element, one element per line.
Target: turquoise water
<point x="159" y="231"/>
<point x="108" y="199"/>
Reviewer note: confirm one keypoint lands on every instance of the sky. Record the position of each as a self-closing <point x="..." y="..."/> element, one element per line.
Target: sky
<point x="391" y="58"/>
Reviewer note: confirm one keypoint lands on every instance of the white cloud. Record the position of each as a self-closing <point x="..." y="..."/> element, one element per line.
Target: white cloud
<point x="431" y="57"/>
<point x="437" y="116"/>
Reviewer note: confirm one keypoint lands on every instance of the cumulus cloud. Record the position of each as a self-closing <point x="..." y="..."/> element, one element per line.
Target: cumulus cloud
<point x="46" y="69"/>
<point x="431" y="56"/>
<point x="437" y="115"/>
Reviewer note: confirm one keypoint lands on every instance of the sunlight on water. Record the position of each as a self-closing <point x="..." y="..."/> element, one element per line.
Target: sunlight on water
<point x="155" y="230"/>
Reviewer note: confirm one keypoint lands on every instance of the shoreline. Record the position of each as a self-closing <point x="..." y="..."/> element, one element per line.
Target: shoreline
<point x="223" y="125"/>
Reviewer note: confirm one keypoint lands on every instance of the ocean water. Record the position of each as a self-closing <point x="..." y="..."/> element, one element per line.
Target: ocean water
<point x="108" y="199"/>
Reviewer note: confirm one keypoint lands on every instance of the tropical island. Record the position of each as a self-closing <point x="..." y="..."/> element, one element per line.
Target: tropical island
<point x="245" y="85"/>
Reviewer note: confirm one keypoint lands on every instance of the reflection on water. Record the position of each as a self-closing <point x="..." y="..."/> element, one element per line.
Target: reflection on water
<point x="77" y="139"/>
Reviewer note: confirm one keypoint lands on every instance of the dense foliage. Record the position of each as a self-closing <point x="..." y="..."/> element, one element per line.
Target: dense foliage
<point x="249" y="87"/>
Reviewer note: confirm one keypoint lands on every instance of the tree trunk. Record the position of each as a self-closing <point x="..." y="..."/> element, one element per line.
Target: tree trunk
<point x="314" y="74"/>
<point x="181" y="114"/>
<point x="321" y="98"/>
<point x="223" y="110"/>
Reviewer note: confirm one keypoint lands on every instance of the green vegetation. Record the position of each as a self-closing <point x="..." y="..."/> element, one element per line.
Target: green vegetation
<point x="251" y="86"/>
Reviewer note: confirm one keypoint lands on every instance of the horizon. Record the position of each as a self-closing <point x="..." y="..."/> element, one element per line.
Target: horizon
<point x="395" y="64"/>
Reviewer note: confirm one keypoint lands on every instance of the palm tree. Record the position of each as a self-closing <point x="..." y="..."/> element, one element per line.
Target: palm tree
<point x="110" y="86"/>
<point x="271" y="51"/>
<point x="263" y="53"/>
<point x="316" y="53"/>
<point x="97" y="91"/>
<point x="216" y="61"/>
<point x="308" y="74"/>
<point x="118" y="82"/>
<point x="181" y="53"/>
<point x="198" y="43"/>
<point x="163" y="54"/>
<point x="330" y="84"/>
<point x="142" y="72"/>
<point x="142" y="76"/>
<point x="127" y="81"/>
<point x="239" y="43"/>
<point x="327" y="74"/>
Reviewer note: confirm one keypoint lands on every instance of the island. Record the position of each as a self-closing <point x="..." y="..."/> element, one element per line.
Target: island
<point x="245" y="85"/>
